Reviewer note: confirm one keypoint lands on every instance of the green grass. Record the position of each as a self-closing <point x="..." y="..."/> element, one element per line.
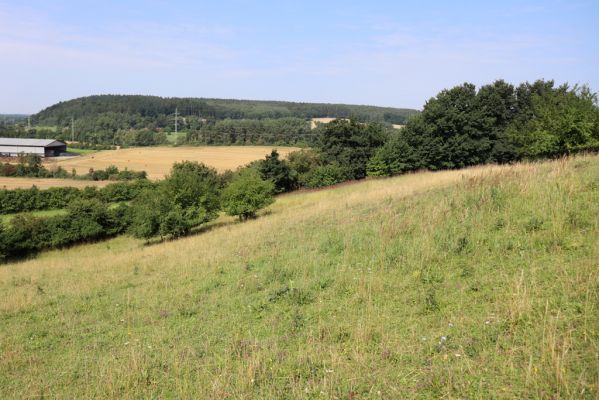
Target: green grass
<point x="172" y="137"/>
<point x="6" y="218"/>
<point x="81" y="151"/>
<point x="460" y="284"/>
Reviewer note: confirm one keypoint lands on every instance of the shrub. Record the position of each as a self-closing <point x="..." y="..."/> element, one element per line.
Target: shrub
<point x="247" y="193"/>
<point x="395" y="157"/>
<point x="325" y="175"/>
<point x="188" y="197"/>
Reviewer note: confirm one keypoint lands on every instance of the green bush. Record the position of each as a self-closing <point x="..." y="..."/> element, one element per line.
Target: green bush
<point x="326" y="175"/>
<point x="246" y="194"/>
<point x="23" y="200"/>
<point x="188" y="197"/>
<point x="86" y="220"/>
<point x="395" y="157"/>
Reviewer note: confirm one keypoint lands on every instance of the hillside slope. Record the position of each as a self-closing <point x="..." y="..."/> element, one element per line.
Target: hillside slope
<point x="479" y="283"/>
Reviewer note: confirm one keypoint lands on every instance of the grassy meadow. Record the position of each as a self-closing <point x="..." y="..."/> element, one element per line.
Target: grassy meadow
<point x="477" y="283"/>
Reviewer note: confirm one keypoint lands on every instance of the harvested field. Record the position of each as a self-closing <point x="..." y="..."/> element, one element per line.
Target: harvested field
<point x="325" y="120"/>
<point x="25" y="183"/>
<point x="157" y="161"/>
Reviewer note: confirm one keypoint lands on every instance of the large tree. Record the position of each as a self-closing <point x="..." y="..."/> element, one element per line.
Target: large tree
<point x="278" y="171"/>
<point x="350" y="144"/>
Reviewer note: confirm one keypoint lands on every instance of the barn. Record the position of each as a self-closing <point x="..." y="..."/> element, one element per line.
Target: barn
<point x="43" y="147"/>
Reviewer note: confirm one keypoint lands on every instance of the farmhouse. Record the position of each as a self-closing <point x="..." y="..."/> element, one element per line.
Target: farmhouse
<point x="44" y="147"/>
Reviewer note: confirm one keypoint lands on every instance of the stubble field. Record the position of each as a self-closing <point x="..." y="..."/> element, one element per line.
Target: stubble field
<point x="157" y="161"/>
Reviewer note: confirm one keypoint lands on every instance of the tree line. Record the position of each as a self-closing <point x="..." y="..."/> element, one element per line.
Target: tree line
<point x="460" y="127"/>
<point x="499" y="123"/>
<point x="159" y="110"/>
<point x="145" y="120"/>
<point x="31" y="166"/>
<point x="14" y="201"/>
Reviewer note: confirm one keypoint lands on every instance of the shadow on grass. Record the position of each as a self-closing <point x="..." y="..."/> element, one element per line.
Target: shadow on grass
<point x="200" y="230"/>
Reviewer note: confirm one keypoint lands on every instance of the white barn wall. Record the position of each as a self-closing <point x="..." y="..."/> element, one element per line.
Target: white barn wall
<point x="16" y="150"/>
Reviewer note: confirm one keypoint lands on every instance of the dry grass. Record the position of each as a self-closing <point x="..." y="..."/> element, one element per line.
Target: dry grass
<point x="24" y="183"/>
<point x="479" y="283"/>
<point x="157" y="161"/>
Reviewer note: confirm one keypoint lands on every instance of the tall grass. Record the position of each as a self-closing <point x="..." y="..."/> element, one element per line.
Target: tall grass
<point x="480" y="283"/>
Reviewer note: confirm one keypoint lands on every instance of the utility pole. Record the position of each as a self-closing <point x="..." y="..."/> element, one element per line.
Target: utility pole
<point x="176" y="115"/>
<point x="29" y="122"/>
<point x="72" y="129"/>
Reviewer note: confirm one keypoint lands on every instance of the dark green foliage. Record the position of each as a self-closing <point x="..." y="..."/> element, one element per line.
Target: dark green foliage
<point x="195" y="188"/>
<point x="31" y="166"/>
<point x="247" y="193"/>
<point x="23" y="200"/>
<point x="154" y="213"/>
<point x="393" y="158"/>
<point x="105" y="121"/>
<point x="462" y="127"/>
<point x="278" y="171"/>
<point x="3" y="243"/>
<point x="288" y="131"/>
<point x="450" y="131"/>
<point x="302" y="162"/>
<point x="86" y="220"/>
<point x="565" y="120"/>
<point x="350" y="144"/>
<point x="325" y="175"/>
<point x="112" y="173"/>
<point x="188" y="197"/>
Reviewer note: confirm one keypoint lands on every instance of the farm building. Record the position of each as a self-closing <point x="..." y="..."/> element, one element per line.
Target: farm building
<point x="44" y="147"/>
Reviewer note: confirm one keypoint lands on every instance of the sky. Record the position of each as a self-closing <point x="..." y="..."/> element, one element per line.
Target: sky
<point x="386" y="53"/>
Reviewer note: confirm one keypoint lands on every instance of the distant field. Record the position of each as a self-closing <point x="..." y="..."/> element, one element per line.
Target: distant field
<point x="15" y="183"/>
<point x="325" y="120"/>
<point x="157" y="161"/>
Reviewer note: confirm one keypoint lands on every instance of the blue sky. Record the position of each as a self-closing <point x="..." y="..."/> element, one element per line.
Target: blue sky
<point x="389" y="53"/>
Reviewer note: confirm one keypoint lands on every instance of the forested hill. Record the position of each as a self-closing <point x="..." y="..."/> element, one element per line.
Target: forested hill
<point x="158" y="110"/>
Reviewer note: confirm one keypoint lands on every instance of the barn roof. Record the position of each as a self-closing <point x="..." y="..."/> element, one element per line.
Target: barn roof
<point x="30" y="142"/>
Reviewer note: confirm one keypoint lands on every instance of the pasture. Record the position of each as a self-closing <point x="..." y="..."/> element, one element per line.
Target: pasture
<point x="157" y="161"/>
<point x="475" y="283"/>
